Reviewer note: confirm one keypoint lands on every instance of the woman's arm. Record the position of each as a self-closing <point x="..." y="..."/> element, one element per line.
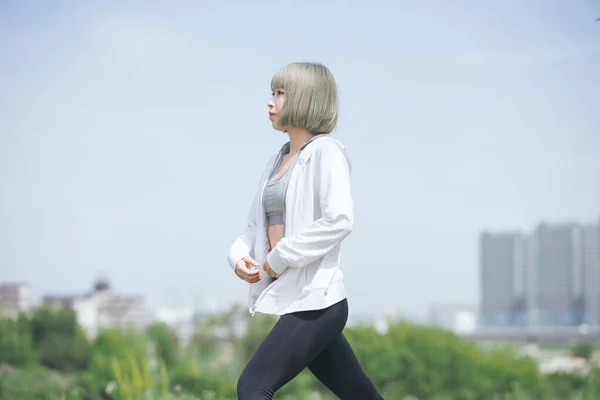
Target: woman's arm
<point x="243" y="246"/>
<point x="332" y="187"/>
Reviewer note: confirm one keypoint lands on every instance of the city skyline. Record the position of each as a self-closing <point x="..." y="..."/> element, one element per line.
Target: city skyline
<point x="546" y="276"/>
<point x="511" y="258"/>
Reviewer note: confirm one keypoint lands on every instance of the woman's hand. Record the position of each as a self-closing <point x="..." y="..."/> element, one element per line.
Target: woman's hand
<point x="243" y="271"/>
<point x="269" y="271"/>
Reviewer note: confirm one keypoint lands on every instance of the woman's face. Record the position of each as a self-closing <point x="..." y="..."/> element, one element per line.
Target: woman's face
<point x="275" y="105"/>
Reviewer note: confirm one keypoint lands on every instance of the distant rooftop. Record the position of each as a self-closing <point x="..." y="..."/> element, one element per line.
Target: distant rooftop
<point x="101" y="285"/>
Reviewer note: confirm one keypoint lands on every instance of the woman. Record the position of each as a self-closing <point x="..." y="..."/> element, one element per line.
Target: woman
<point x="290" y="251"/>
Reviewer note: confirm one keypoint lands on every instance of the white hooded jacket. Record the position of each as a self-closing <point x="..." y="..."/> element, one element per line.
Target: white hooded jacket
<point x="318" y="216"/>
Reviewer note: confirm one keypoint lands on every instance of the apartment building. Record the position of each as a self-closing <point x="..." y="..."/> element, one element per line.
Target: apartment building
<point x="101" y="308"/>
<point x="503" y="279"/>
<point x="549" y="277"/>
<point x="14" y="298"/>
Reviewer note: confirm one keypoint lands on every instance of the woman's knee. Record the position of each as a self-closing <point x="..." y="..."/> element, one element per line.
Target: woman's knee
<point x="243" y="386"/>
<point x="250" y="387"/>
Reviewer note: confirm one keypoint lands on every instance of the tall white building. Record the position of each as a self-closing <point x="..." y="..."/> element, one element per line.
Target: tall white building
<point x="14" y="298"/>
<point x="103" y="309"/>
<point x="550" y="277"/>
<point x="590" y="266"/>
<point x="503" y="279"/>
<point x="558" y="270"/>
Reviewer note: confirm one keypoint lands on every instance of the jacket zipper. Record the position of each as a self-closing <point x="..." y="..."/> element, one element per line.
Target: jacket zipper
<point x="285" y="228"/>
<point x="262" y="193"/>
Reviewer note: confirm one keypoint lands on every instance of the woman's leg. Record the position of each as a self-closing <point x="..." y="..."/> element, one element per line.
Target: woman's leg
<point x="338" y="368"/>
<point x="295" y="341"/>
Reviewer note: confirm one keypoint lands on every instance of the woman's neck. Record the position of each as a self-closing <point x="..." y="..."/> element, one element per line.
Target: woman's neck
<point x="298" y="136"/>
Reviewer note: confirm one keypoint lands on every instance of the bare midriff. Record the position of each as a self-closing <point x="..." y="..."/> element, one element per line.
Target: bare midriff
<point x="275" y="234"/>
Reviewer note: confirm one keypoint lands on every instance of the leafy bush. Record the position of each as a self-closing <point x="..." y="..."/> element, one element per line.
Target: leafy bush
<point x="165" y="343"/>
<point x="426" y="362"/>
<point x="34" y="384"/>
<point x="16" y="345"/>
<point x="190" y="379"/>
<point x="408" y="361"/>
<point x="583" y="349"/>
<point x="61" y="342"/>
<point x="66" y="353"/>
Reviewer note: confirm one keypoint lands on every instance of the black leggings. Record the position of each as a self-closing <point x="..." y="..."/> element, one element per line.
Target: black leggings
<point x="310" y="339"/>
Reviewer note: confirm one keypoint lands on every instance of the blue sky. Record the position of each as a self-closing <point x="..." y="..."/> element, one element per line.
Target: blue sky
<point x="132" y="137"/>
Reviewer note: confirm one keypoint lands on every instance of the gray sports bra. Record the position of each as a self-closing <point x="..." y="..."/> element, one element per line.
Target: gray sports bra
<point x="274" y="197"/>
<point x="274" y="194"/>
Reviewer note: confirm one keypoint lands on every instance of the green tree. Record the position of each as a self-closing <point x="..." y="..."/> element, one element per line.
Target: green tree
<point x="257" y="329"/>
<point x="165" y="343"/>
<point x="114" y="344"/>
<point x="582" y="349"/>
<point x="46" y="321"/>
<point x="66" y="353"/>
<point x="114" y="347"/>
<point x="28" y="384"/>
<point x="215" y="333"/>
<point x="61" y="342"/>
<point x="427" y="362"/>
<point x="206" y="343"/>
<point x="16" y="344"/>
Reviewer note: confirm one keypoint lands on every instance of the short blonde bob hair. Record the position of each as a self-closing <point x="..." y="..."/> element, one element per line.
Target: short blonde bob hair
<point x="311" y="97"/>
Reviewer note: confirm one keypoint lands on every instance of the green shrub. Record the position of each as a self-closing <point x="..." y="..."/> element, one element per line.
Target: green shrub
<point x="582" y="349"/>
<point x="426" y="362"/>
<point x="61" y="342"/>
<point x="35" y="384"/>
<point x="16" y="344"/>
<point x="165" y="343"/>
<point x="190" y="379"/>
<point x="407" y="362"/>
<point x="66" y="353"/>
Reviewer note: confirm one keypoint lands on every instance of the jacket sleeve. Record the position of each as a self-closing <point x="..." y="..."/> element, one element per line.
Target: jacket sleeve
<point x="243" y="246"/>
<point x="332" y="188"/>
